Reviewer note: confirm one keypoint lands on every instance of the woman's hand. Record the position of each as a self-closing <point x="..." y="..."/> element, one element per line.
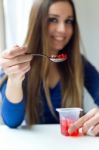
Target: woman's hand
<point x="87" y="122"/>
<point x="15" y="62"/>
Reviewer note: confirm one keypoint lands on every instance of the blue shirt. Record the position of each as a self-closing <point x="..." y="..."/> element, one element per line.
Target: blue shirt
<point x="14" y="114"/>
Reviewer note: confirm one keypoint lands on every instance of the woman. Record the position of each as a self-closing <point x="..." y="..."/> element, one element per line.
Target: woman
<point x="35" y="86"/>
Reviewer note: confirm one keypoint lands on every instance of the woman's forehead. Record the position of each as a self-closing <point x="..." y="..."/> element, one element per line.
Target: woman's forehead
<point x="58" y="8"/>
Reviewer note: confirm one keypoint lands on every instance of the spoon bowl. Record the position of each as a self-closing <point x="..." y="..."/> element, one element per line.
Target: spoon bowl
<point x="53" y="58"/>
<point x="58" y="58"/>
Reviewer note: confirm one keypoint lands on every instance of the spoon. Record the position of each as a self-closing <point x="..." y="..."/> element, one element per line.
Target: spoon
<point x="53" y="58"/>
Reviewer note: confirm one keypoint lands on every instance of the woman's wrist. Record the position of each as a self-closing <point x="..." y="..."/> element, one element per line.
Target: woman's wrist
<point x="16" y="80"/>
<point x="14" y="91"/>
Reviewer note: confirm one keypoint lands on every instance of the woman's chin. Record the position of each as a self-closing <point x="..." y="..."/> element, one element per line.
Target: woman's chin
<point x="58" y="48"/>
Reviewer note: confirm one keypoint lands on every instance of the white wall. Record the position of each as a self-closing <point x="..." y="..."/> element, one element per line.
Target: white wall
<point x="88" y="18"/>
<point x="16" y="19"/>
<point x="2" y="27"/>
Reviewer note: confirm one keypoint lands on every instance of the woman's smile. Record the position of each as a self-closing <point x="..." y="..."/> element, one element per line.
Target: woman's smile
<point x="58" y="42"/>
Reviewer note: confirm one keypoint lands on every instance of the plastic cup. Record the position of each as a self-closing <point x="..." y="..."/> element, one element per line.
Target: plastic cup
<point x="67" y="117"/>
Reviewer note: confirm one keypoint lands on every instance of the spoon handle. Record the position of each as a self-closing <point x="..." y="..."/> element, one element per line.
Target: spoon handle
<point x="42" y="55"/>
<point x="35" y="54"/>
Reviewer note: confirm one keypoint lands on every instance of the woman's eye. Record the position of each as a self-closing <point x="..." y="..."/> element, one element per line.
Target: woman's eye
<point x="52" y="20"/>
<point x="69" y="21"/>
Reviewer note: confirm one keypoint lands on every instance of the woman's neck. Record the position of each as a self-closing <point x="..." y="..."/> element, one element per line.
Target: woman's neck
<point x="53" y="76"/>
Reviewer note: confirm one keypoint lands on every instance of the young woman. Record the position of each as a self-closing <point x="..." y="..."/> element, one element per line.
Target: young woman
<point x="35" y="86"/>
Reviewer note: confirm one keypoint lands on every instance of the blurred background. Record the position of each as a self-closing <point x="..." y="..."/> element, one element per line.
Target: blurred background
<point x="14" y="20"/>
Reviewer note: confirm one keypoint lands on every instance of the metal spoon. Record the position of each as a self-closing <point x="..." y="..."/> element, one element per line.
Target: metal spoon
<point x="52" y="58"/>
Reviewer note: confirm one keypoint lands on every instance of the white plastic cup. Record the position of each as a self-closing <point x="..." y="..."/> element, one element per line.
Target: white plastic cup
<point x="67" y="117"/>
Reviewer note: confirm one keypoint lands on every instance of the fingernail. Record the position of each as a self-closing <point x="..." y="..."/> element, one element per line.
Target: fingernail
<point x="71" y="129"/>
<point x="16" y="46"/>
<point x="31" y="57"/>
<point x="25" y="46"/>
<point x="90" y="131"/>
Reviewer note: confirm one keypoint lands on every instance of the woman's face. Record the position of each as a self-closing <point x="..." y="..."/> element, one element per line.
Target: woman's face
<point x="60" y="25"/>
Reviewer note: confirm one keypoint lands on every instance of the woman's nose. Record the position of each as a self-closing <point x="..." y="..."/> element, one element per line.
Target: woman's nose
<point x="61" y="28"/>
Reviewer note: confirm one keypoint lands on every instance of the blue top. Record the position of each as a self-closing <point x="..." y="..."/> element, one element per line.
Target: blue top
<point x="14" y="114"/>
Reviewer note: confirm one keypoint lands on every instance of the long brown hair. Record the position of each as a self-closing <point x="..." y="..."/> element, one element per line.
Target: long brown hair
<point x="71" y="71"/>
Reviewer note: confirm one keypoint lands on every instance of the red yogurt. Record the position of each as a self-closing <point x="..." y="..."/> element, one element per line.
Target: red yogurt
<point x="65" y="124"/>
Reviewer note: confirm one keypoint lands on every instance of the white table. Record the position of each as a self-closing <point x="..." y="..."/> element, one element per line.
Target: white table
<point x="43" y="137"/>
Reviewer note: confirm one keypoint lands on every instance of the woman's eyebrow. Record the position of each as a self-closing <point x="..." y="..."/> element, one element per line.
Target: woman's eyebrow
<point x="54" y="15"/>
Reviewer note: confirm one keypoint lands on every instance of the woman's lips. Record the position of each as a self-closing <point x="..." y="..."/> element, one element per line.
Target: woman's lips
<point x="58" y="38"/>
